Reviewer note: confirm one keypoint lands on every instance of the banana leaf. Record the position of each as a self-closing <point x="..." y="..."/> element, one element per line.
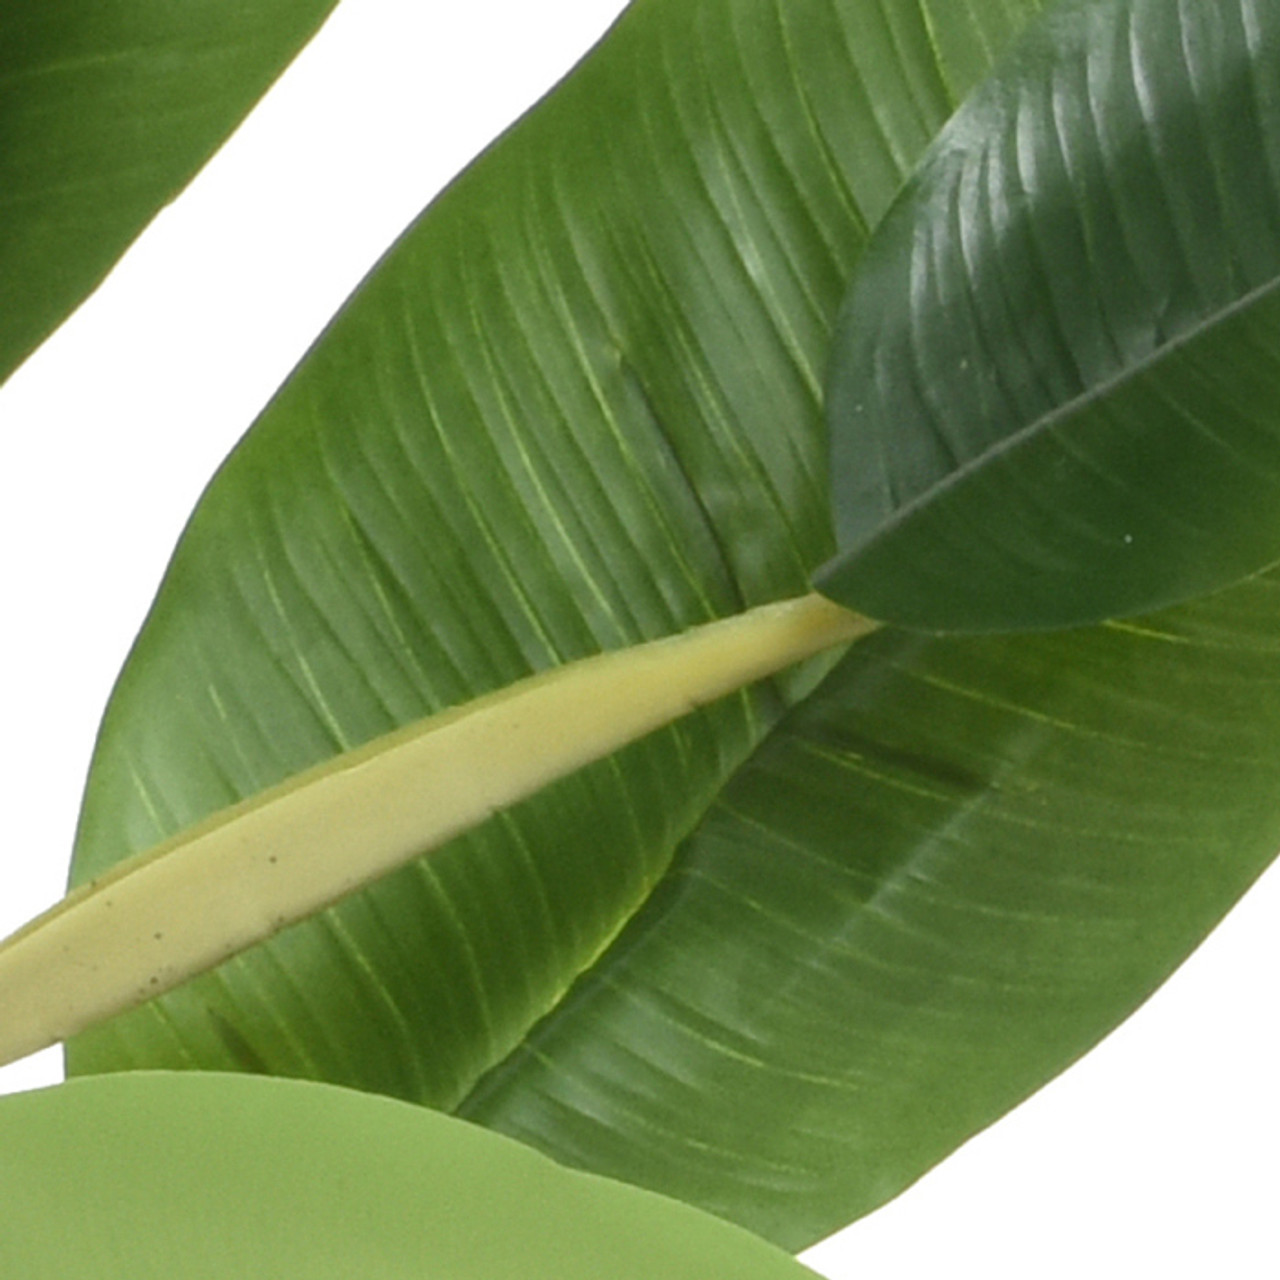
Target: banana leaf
<point x="778" y="959"/>
<point x="106" y="112"/>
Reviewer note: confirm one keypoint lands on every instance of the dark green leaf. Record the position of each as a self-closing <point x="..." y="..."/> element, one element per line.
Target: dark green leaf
<point x="778" y="959"/>
<point x="1055" y="388"/>
<point x="198" y="1176"/>
<point x="940" y="881"/>
<point x="106" y="111"/>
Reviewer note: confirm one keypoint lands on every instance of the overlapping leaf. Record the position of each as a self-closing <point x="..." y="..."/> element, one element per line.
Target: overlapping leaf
<point x="778" y="959"/>
<point x="215" y="1177"/>
<point x="106" y="111"/>
<point x="1056" y="378"/>
<point x="936" y="885"/>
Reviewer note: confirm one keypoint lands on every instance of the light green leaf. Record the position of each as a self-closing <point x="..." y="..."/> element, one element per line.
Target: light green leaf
<point x="780" y="958"/>
<point x="1054" y="388"/>
<point x="106" y="111"/>
<point x="197" y="1176"/>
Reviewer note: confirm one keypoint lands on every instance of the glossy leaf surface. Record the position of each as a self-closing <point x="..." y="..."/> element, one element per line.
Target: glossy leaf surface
<point x="934" y="887"/>
<point x="1054" y="390"/>
<point x="106" y="111"/>
<point x="197" y="1176"/>
<point x="780" y="958"/>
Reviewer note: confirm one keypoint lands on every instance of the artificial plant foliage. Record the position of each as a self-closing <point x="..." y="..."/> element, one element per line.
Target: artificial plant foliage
<point x="934" y="886"/>
<point x="248" y="872"/>
<point x="215" y="1177"/>
<point x="1054" y="384"/>
<point x="106" y="111"/>
<point x="777" y="959"/>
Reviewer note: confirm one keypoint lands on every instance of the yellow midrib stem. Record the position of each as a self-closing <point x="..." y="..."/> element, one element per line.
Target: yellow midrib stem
<point x="191" y="902"/>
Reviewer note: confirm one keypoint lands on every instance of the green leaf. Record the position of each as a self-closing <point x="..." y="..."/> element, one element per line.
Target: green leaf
<point x="1054" y="386"/>
<point x="106" y="112"/>
<point x="777" y="959"/>
<point x="940" y="881"/>
<point x="197" y="1176"/>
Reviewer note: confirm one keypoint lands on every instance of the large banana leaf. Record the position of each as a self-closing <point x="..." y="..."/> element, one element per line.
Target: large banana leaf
<point x="106" y="111"/>
<point x="209" y="1177"/>
<point x="778" y="959"/>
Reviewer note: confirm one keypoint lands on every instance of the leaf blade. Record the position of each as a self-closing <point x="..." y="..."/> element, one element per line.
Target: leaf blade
<point x="113" y="112"/>
<point x="1050" y="396"/>
<point x="941" y="880"/>
<point x="209" y="1177"/>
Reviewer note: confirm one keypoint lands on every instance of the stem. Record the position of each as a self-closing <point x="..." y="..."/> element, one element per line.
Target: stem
<point x="196" y="899"/>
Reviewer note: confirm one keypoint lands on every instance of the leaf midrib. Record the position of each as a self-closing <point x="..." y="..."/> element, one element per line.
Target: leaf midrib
<point x="1047" y="423"/>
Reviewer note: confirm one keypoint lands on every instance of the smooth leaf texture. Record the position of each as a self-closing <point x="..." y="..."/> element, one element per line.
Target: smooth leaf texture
<point x="780" y="958"/>
<point x="249" y="871"/>
<point x="1055" y="384"/>
<point x="198" y="1176"/>
<point x="106" y="111"/>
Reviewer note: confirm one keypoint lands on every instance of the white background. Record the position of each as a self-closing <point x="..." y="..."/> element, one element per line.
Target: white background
<point x="1153" y="1157"/>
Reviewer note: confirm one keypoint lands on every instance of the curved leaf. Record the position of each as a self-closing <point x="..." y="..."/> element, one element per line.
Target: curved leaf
<point x="106" y="111"/>
<point x="576" y="408"/>
<point x="940" y="881"/>
<point x="156" y="920"/>
<point x="1053" y="390"/>
<point x="196" y="1176"/>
